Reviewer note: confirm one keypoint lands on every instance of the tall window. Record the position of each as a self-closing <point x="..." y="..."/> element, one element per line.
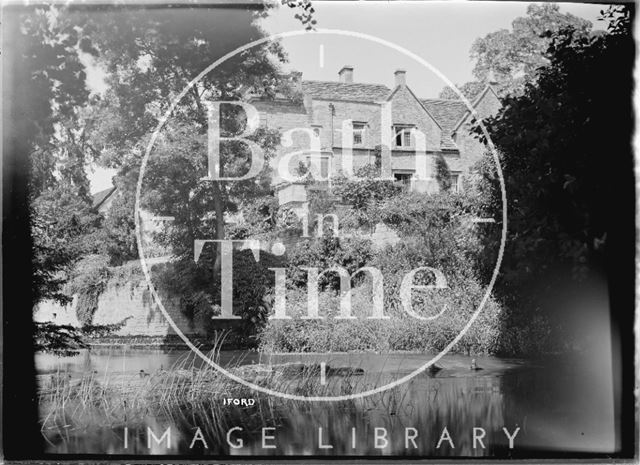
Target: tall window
<point x="402" y="136"/>
<point x="455" y="182"/>
<point x="358" y="133"/>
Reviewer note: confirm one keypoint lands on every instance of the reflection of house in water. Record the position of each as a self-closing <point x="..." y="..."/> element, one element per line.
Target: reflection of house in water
<point x="345" y="115"/>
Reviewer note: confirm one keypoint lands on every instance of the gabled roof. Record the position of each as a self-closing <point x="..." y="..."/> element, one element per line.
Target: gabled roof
<point x="447" y="113"/>
<point x="100" y="197"/>
<point x="397" y="88"/>
<point x="331" y="90"/>
<point x="476" y="100"/>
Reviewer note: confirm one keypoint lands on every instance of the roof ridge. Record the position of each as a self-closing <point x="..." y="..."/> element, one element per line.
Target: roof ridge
<point x="101" y="191"/>
<point x="348" y="83"/>
<point x="101" y="196"/>
<point x="447" y="100"/>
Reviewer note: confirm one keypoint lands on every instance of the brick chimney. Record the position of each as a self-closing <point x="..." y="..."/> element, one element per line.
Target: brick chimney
<point x="400" y="77"/>
<point x="346" y="74"/>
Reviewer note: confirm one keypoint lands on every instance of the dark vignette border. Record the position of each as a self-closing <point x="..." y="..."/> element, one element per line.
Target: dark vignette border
<point x="21" y="438"/>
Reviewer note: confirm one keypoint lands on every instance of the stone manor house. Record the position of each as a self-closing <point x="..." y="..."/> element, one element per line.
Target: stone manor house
<point x="343" y="113"/>
<point x="328" y="118"/>
<point x="338" y="115"/>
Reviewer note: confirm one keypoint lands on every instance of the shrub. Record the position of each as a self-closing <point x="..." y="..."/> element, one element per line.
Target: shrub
<point x="435" y="236"/>
<point x="200" y="292"/>
<point x="325" y="252"/>
<point x="443" y="174"/>
<point x="400" y="333"/>
<point x="89" y="279"/>
<point x="360" y="193"/>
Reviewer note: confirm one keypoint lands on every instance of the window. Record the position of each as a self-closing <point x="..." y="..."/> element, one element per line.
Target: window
<point x="455" y="182"/>
<point x="402" y="136"/>
<point x="316" y="131"/>
<point x="319" y="167"/>
<point x="404" y="179"/>
<point x="358" y="133"/>
<point x="324" y="168"/>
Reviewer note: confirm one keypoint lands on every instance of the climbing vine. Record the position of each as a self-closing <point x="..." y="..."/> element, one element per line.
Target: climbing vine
<point x="443" y="174"/>
<point x="90" y="279"/>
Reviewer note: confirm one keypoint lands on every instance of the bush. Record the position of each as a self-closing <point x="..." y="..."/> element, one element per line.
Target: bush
<point x="443" y="174"/>
<point x="400" y="333"/>
<point x="200" y="292"/>
<point x="360" y="193"/>
<point x="325" y="252"/>
<point x="433" y="236"/>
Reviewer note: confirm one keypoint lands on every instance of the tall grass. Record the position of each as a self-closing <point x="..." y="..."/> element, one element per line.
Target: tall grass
<point x="190" y="394"/>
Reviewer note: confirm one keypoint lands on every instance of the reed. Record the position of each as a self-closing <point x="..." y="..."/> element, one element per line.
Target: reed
<point x="191" y="393"/>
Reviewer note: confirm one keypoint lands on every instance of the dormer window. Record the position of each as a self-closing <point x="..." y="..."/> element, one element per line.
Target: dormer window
<point x="358" y="133"/>
<point x="402" y="136"/>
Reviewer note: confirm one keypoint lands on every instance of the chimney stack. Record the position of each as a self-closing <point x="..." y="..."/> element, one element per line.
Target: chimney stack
<point x="491" y="78"/>
<point x="400" y="77"/>
<point x="346" y="74"/>
<point x="296" y="81"/>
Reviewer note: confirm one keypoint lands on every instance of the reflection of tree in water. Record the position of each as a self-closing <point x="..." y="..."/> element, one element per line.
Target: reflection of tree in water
<point x="459" y="404"/>
<point x="552" y="406"/>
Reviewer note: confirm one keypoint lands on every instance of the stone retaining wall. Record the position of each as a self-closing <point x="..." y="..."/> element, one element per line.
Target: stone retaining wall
<point x="130" y="302"/>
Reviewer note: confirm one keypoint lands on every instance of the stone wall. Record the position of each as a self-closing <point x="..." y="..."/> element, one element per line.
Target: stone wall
<point x="134" y="303"/>
<point x="130" y="302"/>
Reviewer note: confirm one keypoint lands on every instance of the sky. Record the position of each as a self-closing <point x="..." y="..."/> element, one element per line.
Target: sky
<point x="440" y="33"/>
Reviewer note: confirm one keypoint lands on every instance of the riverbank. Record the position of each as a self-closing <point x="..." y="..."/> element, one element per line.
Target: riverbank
<point x="87" y="401"/>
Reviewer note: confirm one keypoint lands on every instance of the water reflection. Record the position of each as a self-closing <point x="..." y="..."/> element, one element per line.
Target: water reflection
<point x="551" y="406"/>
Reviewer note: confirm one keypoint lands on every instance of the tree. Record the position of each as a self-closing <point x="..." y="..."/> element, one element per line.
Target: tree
<point x="148" y="65"/>
<point x="119" y="227"/>
<point x="51" y="92"/>
<point x="46" y="147"/>
<point x="47" y="86"/>
<point x="514" y="56"/>
<point x="51" y="100"/>
<point x="64" y="228"/>
<point x="152" y="60"/>
<point x="469" y="89"/>
<point x="561" y="190"/>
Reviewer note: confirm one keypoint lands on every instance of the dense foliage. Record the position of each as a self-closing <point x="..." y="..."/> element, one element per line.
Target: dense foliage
<point x="147" y="60"/>
<point x="365" y="188"/>
<point x="554" y="141"/>
<point x="511" y="58"/>
<point x="552" y="134"/>
<point x="434" y="232"/>
<point x="322" y="253"/>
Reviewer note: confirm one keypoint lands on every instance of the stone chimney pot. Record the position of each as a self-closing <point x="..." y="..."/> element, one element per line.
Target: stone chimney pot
<point x="346" y="74"/>
<point x="400" y="77"/>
